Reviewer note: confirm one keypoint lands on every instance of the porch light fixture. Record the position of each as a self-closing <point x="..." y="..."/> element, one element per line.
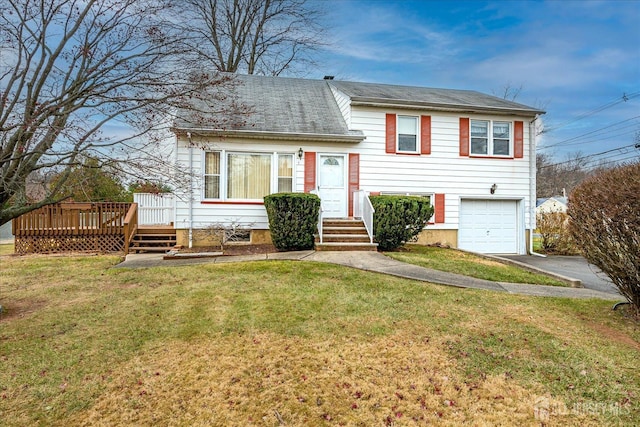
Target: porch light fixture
<point x="493" y="188"/>
<point x="300" y="153"/>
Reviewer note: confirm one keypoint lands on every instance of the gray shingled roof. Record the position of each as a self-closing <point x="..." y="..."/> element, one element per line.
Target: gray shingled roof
<point x="303" y="107"/>
<point x="453" y="99"/>
<point x="287" y="105"/>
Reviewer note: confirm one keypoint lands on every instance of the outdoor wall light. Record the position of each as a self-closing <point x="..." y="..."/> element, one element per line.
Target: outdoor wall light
<point x="493" y="189"/>
<point x="300" y="153"/>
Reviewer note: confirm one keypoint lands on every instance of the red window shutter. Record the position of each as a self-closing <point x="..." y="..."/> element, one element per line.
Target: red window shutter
<point x="464" y="136"/>
<point x="354" y="178"/>
<point x="518" y="140"/>
<point x="439" y="208"/>
<point x="425" y="135"/>
<point x="309" y="171"/>
<point x="391" y="133"/>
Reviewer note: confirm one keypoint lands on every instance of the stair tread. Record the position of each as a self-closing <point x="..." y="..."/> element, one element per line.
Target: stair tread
<point x="346" y="236"/>
<point x="342" y="228"/>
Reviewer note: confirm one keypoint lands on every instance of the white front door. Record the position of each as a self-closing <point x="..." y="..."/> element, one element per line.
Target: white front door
<point x="332" y="186"/>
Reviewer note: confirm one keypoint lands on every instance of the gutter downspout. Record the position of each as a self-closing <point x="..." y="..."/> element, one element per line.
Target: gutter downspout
<point x="190" y="190"/>
<point x="532" y="184"/>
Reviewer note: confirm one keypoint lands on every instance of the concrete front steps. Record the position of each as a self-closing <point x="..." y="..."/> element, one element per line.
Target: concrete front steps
<point x="344" y="235"/>
<point x="153" y="238"/>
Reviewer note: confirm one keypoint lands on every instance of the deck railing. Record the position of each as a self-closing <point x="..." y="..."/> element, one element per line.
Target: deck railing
<point x="130" y="226"/>
<point x="65" y="227"/>
<point x="317" y="193"/>
<point x="155" y="209"/>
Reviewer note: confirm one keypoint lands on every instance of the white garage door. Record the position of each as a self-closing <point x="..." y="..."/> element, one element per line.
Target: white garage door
<point x="488" y="226"/>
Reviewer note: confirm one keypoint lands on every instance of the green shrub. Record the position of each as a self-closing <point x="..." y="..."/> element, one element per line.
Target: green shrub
<point x="293" y="220"/>
<point x="399" y="219"/>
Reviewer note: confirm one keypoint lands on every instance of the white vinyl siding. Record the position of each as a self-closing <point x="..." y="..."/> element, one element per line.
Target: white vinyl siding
<point x="444" y="171"/>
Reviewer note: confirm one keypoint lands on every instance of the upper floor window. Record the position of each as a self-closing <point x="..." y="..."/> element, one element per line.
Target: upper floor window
<point x="489" y="138"/>
<point x="407" y="134"/>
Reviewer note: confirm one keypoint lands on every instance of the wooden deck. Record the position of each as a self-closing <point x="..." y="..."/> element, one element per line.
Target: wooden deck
<point x="74" y="227"/>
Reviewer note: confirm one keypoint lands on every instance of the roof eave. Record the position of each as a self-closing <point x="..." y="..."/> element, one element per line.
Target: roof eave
<point x="413" y="105"/>
<point x="269" y="135"/>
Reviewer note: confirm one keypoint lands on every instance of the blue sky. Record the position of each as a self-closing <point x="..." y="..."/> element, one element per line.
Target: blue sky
<point x="577" y="60"/>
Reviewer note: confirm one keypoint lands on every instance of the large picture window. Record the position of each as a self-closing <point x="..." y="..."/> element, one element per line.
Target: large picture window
<point x="246" y="176"/>
<point x="490" y="138"/>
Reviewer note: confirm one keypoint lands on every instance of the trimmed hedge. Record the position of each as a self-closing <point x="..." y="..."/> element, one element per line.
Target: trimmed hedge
<point x="293" y="220"/>
<point x="398" y="219"/>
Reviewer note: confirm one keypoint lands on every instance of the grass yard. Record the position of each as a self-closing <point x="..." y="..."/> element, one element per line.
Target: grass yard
<point x="6" y="249"/>
<point x="300" y="343"/>
<point x="468" y="264"/>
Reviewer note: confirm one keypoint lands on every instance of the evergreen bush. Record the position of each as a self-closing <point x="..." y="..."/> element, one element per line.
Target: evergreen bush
<point x="293" y="220"/>
<point x="399" y="219"/>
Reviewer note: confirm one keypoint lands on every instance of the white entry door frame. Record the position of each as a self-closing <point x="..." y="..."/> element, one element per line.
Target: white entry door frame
<point x="333" y="184"/>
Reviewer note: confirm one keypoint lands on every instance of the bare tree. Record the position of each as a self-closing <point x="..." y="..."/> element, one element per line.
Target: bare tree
<point x="69" y="70"/>
<point x="554" y="178"/>
<point x="253" y="36"/>
<point x="508" y="92"/>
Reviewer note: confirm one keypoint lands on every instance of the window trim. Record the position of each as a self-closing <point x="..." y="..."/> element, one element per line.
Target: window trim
<point x="416" y="150"/>
<point x="224" y="175"/>
<point x="491" y="139"/>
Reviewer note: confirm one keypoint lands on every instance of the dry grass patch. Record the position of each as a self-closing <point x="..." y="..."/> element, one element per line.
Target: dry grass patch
<point x="266" y="379"/>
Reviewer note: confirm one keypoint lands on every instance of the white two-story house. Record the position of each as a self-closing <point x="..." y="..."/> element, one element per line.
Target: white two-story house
<point x="472" y="154"/>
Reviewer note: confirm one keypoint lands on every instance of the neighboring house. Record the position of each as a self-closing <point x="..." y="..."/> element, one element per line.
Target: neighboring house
<point x="551" y="204"/>
<point x="472" y="154"/>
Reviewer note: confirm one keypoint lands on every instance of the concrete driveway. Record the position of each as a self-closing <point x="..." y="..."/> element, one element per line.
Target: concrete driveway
<point x="572" y="266"/>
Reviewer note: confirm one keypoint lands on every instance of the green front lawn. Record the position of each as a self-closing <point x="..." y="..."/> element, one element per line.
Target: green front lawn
<point x="300" y="343"/>
<point x="454" y="261"/>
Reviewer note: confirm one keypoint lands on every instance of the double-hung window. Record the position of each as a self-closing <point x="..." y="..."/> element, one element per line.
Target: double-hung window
<point x="285" y="173"/>
<point x="490" y="138"/>
<point x="212" y="175"/>
<point x="246" y="176"/>
<point x="407" y="134"/>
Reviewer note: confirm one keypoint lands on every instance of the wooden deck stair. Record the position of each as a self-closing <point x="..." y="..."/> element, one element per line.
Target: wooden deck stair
<point x="344" y="235"/>
<point x="153" y="238"/>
